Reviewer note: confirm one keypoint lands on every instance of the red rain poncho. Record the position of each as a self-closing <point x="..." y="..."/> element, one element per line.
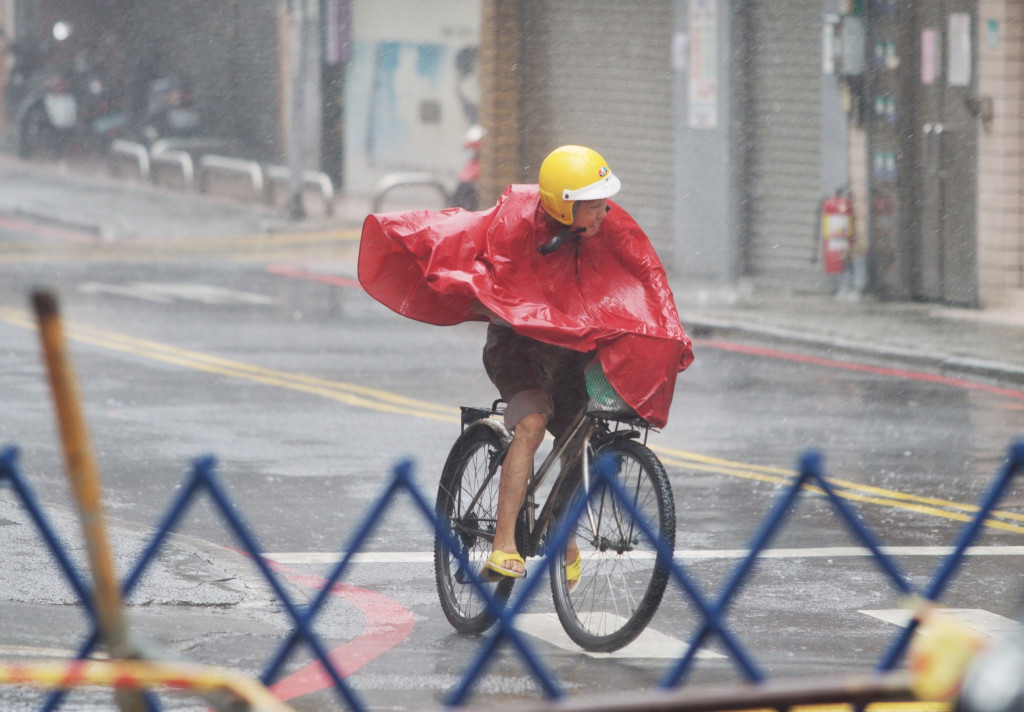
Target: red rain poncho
<point x="607" y="292"/>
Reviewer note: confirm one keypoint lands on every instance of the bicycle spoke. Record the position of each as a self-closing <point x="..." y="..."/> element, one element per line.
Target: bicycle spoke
<point x="622" y="580"/>
<point x="467" y="504"/>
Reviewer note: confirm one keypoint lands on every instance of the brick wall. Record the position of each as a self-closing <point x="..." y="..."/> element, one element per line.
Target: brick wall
<point x="1001" y="154"/>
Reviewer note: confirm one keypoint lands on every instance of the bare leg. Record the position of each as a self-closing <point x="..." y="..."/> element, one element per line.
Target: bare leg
<point x="515" y="475"/>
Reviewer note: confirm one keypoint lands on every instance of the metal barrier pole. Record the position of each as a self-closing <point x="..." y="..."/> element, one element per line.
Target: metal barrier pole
<point x="85" y="484"/>
<point x="860" y="690"/>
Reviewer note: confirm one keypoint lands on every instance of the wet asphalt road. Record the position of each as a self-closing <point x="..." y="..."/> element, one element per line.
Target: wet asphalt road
<point x="263" y="352"/>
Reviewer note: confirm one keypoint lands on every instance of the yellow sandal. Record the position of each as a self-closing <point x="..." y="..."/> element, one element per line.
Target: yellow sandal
<point x="493" y="566"/>
<point x="573" y="571"/>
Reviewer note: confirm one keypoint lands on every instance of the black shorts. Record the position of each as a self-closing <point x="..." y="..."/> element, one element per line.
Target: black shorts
<point x="534" y="377"/>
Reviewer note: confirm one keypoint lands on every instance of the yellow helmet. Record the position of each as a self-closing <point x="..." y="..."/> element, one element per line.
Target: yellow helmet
<point x="572" y="173"/>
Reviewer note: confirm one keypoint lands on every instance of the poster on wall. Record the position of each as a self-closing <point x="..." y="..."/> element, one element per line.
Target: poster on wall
<point x="703" y="64"/>
<point x="930" y="54"/>
<point x="412" y="88"/>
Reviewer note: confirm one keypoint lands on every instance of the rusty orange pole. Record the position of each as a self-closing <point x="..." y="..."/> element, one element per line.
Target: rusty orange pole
<point x="85" y="484"/>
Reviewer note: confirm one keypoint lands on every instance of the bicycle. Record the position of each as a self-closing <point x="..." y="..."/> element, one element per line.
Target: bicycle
<point x="623" y="576"/>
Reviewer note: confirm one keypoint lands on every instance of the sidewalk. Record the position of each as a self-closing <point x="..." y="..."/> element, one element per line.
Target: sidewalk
<point x="951" y="341"/>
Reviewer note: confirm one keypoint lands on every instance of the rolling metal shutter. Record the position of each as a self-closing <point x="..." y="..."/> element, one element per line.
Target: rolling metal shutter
<point x="783" y="185"/>
<point x="598" y="73"/>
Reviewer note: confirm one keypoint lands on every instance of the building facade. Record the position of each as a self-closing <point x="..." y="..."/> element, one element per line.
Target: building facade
<point x="229" y="52"/>
<point x="730" y="121"/>
<point x="1000" y="173"/>
<point x="940" y="157"/>
<point x="412" y="89"/>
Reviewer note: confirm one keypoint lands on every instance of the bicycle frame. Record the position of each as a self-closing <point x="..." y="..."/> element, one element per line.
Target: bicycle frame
<point x="577" y="442"/>
<point x="624" y="579"/>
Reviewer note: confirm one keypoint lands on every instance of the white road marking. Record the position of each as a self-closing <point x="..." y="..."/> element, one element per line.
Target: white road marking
<point x="655" y="645"/>
<point x="169" y="292"/>
<point x="986" y="623"/>
<point x="650" y="644"/>
<point x="427" y="557"/>
<point x="370" y="557"/>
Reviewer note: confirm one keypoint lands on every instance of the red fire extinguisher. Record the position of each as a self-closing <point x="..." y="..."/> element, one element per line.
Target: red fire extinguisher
<point x="836" y="231"/>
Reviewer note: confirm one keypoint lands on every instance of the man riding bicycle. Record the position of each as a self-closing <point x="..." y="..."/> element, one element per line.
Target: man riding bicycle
<point x="564" y="275"/>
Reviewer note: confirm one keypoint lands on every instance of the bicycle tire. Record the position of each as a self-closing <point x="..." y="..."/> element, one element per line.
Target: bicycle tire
<point x="463" y="476"/>
<point x="623" y="577"/>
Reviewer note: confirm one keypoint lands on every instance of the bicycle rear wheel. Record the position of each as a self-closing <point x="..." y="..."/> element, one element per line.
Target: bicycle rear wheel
<point x="467" y="506"/>
<point x="623" y="578"/>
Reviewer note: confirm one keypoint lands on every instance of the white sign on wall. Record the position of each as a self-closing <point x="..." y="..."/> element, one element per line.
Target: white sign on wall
<point x="703" y="64"/>
<point x="959" y="49"/>
<point x="930" y="53"/>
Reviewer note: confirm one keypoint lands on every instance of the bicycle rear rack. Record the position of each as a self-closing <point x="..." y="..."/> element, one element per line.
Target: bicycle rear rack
<point x="471" y="414"/>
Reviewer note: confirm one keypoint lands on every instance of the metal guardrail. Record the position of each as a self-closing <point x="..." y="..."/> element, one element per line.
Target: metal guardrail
<point x="195" y="145"/>
<point x="884" y="685"/>
<point x="211" y="163"/>
<point x="179" y="152"/>
<point x="317" y="179"/>
<point x="135" y="151"/>
<point x="181" y="159"/>
<point x="400" y="180"/>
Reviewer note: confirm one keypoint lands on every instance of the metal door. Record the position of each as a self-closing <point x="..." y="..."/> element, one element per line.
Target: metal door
<point x="946" y="131"/>
<point x="783" y="183"/>
<point x="598" y="73"/>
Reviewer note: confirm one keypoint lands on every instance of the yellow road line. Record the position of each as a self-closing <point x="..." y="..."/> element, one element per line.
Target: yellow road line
<point x="253" y="248"/>
<point x="282" y="255"/>
<point x="345" y="392"/>
<point x="389" y="402"/>
<point x="779" y="475"/>
<point x="843" y="488"/>
<point x="205" y="243"/>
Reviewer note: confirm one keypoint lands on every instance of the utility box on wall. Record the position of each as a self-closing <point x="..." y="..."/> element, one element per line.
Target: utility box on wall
<point x="852" y="43"/>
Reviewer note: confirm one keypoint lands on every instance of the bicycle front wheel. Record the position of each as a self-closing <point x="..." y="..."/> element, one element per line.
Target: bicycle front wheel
<point x="622" y="578"/>
<point x="467" y="506"/>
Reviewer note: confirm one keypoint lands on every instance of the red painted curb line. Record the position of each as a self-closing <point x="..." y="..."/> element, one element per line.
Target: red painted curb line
<point x="300" y="273"/>
<point x="387" y="624"/>
<point x="862" y="368"/>
<point x="48" y="231"/>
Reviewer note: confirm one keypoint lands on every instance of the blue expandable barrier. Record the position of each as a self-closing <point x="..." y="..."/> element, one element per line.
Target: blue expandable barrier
<point x="202" y="479"/>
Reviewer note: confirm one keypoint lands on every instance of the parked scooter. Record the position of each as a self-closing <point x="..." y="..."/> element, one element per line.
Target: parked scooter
<point x="465" y="195"/>
<point x="43" y="108"/>
<point x="170" y="111"/>
<point x="102" y="116"/>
